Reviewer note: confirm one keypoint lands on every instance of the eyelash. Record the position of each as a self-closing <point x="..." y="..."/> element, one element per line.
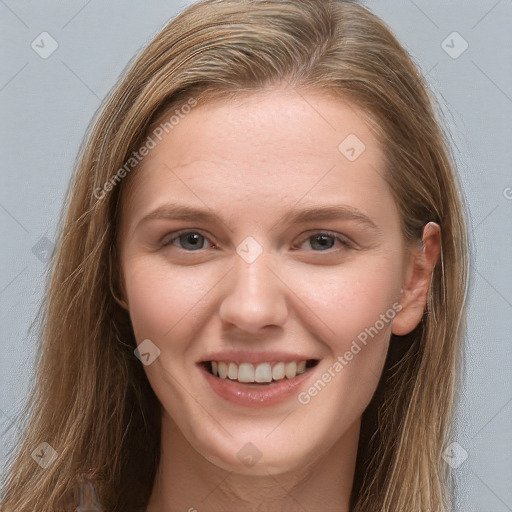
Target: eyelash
<point x="343" y="241"/>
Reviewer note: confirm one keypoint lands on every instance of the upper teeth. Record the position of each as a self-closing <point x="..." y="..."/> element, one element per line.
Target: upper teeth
<point x="263" y="372"/>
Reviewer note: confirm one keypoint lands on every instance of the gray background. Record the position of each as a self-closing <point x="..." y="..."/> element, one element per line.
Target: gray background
<point x="46" y="105"/>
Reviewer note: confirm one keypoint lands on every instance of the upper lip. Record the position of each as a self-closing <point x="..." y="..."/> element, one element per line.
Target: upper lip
<point x="240" y="356"/>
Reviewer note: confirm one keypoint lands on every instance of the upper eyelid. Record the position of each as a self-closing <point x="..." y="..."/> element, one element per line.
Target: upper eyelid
<point x="338" y="236"/>
<point x="166" y="240"/>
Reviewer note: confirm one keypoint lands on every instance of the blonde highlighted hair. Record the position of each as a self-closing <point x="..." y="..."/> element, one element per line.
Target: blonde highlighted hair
<point x="91" y="400"/>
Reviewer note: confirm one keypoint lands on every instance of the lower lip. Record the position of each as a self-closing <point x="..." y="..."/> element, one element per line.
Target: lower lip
<point x="260" y="396"/>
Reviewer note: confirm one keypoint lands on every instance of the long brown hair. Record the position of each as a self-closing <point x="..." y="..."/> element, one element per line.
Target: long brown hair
<point x="91" y="400"/>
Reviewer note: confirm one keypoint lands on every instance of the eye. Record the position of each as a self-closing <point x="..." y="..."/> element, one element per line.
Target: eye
<point x="323" y="241"/>
<point x="190" y="241"/>
<point x="194" y="241"/>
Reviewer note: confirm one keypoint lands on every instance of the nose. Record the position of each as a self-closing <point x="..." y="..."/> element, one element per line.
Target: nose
<point x="255" y="296"/>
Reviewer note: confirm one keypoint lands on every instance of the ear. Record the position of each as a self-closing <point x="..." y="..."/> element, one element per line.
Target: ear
<point x="118" y="281"/>
<point x="120" y="300"/>
<point x="418" y="275"/>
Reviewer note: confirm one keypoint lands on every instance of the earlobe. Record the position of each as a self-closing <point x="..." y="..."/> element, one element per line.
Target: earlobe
<point x="122" y="303"/>
<point x="418" y="276"/>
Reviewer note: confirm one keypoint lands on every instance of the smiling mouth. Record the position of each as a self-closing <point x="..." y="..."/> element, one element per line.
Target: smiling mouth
<point x="262" y="373"/>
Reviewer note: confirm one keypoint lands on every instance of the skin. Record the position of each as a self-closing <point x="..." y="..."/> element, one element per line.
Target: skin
<point x="250" y="160"/>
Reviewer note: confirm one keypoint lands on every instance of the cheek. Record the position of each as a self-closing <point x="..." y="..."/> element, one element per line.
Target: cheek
<point x="164" y="302"/>
<point x="352" y="298"/>
<point x="357" y="306"/>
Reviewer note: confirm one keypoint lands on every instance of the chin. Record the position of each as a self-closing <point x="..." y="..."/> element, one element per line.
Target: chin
<point x="259" y="455"/>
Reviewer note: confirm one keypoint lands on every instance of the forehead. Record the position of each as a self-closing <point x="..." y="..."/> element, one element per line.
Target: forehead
<point x="271" y="122"/>
<point x="262" y="148"/>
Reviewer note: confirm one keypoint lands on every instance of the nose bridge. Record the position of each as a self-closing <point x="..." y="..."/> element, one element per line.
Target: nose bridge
<point x="255" y="296"/>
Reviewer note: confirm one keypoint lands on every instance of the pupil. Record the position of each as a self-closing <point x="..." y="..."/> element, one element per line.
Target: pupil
<point x="192" y="238"/>
<point x="323" y="239"/>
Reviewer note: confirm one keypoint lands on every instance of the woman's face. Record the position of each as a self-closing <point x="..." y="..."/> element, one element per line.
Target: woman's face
<point x="259" y="239"/>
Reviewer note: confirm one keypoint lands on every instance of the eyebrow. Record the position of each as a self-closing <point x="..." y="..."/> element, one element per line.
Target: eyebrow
<point x="293" y="216"/>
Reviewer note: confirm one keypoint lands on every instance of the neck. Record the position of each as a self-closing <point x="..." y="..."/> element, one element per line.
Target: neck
<point x="186" y="481"/>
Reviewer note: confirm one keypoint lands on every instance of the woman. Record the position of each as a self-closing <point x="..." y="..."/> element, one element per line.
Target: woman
<point x="258" y="295"/>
